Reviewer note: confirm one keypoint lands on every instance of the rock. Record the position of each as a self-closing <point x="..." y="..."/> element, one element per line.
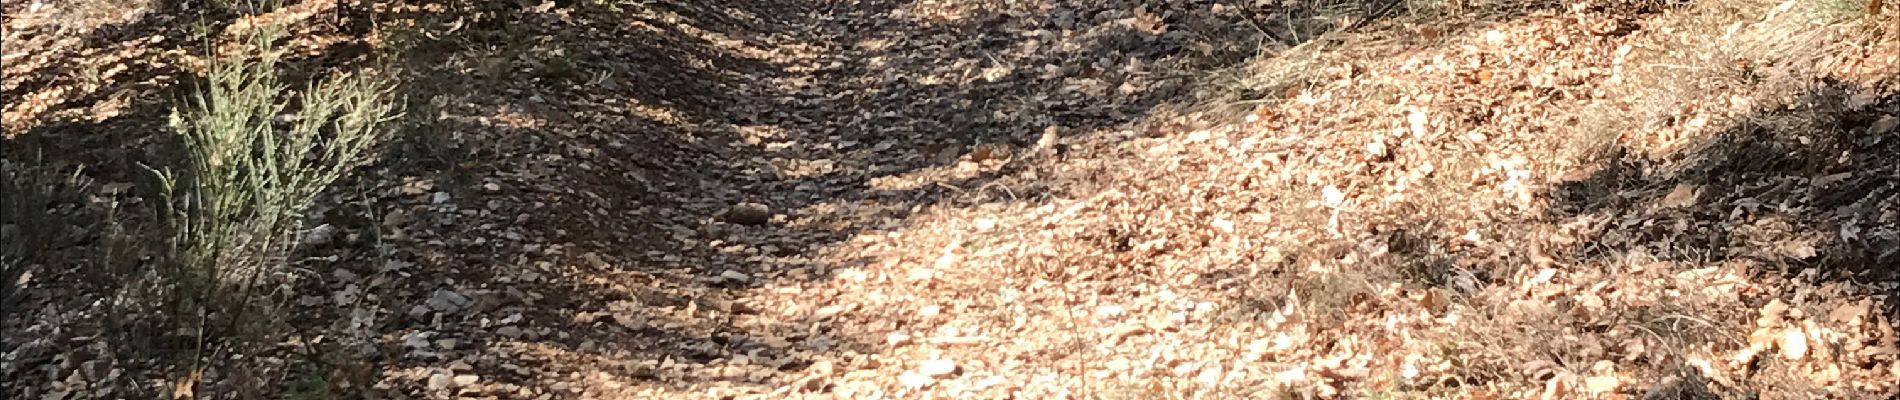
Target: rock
<point x="418" y="341"/>
<point x="1774" y="309"/>
<point x="1603" y="368"/>
<point x="1598" y="385"/>
<point x="510" y="332"/>
<point x="749" y="214"/>
<point x="1860" y="101"/>
<point x="322" y="235"/>
<point x="1794" y="344"/>
<point x="1884" y="125"/>
<point x="938" y="368"/>
<point x="487" y="300"/>
<point x="467" y="379"/>
<point x="813" y="383"/>
<point x="448" y="302"/>
<point x="735" y="276"/>
<point x="1332" y="196"/>
<point x="914" y="380"/>
<point x="440" y="381"/>
<point x="1051" y="137"/>
<point x="439" y="198"/>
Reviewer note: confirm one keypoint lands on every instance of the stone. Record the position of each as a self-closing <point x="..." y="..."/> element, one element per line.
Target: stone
<point x="813" y="383"/>
<point x="1598" y="385"/>
<point x="418" y="341"/>
<point x="938" y="368"/>
<point x="735" y="276"/>
<point x="440" y="381"/>
<point x="322" y="235"/>
<point x="914" y="380"/>
<point x="448" y="302"/>
<point x="466" y="379"/>
<point x="1884" y="125"/>
<point x="1774" y="309"/>
<point x="510" y="332"/>
<point x="749" y="214"/>
<point x="1794" y="344"/>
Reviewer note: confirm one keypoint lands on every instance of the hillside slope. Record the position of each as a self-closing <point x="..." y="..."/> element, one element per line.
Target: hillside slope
<point x="1024" y="199"/>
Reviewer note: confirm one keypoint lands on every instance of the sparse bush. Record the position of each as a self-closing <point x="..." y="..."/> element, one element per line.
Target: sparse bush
<point x="250" y="170"/>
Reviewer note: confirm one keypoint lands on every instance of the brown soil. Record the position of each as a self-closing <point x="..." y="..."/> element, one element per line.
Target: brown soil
<point x="1003" y="199"/>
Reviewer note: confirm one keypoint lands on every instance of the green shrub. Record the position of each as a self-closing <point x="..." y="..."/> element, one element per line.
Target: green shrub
<point x="250" y="170"/>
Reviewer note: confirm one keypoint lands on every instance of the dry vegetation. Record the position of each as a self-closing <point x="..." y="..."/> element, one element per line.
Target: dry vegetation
<point x="968" y="199"/>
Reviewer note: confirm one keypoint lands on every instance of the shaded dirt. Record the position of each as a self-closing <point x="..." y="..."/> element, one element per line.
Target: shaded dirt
<point x="1037" y="199"/>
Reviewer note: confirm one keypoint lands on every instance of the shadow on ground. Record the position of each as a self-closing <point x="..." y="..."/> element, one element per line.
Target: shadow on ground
<point x="564" y="166"/>
<point x="1806" y="192"/>
<point x="585" y="153"/>
<point x="87" y="106"/>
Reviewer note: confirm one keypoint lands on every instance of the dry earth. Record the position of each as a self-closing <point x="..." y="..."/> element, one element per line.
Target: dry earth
<point x="1017" y="199"/>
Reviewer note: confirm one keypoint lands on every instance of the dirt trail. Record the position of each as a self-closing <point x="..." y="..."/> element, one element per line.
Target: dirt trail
<point x="609" y="194"/>
<point x="1053" y="199"/>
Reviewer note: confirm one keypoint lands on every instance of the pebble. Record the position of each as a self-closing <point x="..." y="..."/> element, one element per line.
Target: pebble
<point x="448" y="302"/>
<point x="321" y="235"/>
<point x="1884" y="125"/>
<point x="914" y="380"/>
<point x="749" y="214"/>
<point x="510" y="332"/>
<point x="418" y="341"/>
<point x="938" y="368"/>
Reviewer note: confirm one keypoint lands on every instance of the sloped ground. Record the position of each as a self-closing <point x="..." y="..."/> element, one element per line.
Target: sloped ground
<point x="973" y="199"/>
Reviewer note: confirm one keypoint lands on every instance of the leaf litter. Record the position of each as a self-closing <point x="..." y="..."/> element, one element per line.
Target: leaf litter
<point x="998" y="199"/>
